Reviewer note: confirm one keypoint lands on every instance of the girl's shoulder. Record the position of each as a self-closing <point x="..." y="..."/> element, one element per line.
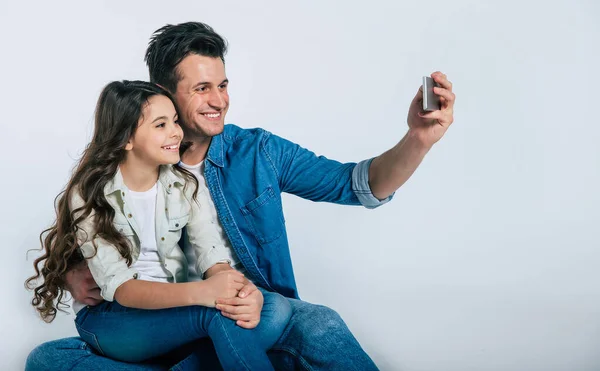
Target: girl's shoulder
<point x="172" y="178"/>
<point x="168" y="175"/>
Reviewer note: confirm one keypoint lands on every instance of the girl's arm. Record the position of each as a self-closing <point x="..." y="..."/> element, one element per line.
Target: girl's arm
<point x="117" y="281"/>
<point x="205" y="239"/>
<point x="158" y="295"/>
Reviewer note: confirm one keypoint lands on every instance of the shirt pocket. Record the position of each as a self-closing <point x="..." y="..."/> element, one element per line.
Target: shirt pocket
<point x="125" y="229"/>
<point x="264" y="215"/>
<point x="175" y="226"/>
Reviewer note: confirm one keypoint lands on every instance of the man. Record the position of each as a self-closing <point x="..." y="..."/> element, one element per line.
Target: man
<point x="242" y="174"/>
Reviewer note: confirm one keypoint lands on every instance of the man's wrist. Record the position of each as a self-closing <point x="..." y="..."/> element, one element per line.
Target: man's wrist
<point x="416" y="141"/>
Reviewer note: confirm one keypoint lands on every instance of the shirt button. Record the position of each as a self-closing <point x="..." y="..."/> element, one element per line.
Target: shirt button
<point x="123" y="193"/>
<point x="162" y="238"/>
<point x="129" y="215"/>
<point x="176" y="224"/>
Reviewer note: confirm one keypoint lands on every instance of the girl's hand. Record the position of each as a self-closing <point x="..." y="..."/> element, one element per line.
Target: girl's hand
<point x="224" y="284"/>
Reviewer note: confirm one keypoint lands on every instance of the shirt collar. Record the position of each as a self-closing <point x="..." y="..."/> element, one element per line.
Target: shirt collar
<point x="215" y="150"/>
<point x="167" y="177"/>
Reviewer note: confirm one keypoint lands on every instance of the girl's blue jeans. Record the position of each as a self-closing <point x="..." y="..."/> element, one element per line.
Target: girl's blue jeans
<point x="138" y="335"/>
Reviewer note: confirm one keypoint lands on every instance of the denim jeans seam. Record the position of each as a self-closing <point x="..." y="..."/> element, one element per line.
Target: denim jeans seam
<point x="93" y="337"/>
<point x="178" y="366"/>
<point x="295" y="354"/>
<point x="86" y="347"/>
<point x="220" y="319"/>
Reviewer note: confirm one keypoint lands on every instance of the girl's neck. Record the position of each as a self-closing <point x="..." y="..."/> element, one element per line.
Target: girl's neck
<point x="138" y="176"/>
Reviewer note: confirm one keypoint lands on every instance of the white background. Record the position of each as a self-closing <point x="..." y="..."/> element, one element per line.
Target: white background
<point x="487" y="259"/>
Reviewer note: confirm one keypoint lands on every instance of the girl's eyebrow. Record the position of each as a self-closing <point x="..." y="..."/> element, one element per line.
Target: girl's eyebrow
<point x="160" y="118"/>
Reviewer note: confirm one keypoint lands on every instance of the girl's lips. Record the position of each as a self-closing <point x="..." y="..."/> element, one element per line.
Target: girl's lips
<point x="172" y="147"/>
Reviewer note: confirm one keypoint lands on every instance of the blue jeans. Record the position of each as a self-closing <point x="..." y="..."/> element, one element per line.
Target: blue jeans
<point x="138" y="335"/>
<point x="316" y="338"/>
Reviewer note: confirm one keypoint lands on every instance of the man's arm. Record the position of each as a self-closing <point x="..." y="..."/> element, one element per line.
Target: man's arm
<point x="317" y="178"/>
<point x="391" y="170"/>
<point x="80" y="283"/>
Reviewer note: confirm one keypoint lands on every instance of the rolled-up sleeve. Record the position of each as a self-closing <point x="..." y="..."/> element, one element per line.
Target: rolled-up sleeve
<point x="108" y="267"/>
<point x="214" y="255"/>
<point x="205" y="239"/>
<point x="361" y="187"/>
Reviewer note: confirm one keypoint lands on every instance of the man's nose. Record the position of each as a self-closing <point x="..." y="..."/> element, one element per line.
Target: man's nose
<point x="217" y="100"/>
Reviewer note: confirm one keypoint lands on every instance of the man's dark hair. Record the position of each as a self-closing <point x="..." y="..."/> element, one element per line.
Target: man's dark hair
<point x="170" y="44"/>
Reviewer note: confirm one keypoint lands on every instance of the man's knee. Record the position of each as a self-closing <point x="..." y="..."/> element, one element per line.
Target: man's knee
<point x="51" y="355"/>
<point x="327" y="320"/>
<point x="315" y="322"/>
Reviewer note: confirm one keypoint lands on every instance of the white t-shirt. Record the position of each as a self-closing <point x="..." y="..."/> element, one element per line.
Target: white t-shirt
<point x="206" y="201"/>
<point x="148" y="264"/>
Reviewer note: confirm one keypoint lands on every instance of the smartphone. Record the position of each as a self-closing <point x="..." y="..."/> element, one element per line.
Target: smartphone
<point x="431" y="101"/>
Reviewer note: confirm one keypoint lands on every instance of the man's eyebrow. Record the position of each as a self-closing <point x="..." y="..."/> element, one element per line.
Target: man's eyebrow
<point x="197" y="85"/>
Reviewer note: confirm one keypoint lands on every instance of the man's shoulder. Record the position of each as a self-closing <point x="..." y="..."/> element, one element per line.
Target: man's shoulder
<point x="233" y="133"/>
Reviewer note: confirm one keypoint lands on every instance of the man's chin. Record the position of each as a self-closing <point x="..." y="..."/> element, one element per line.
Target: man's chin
<point x="211" y="129"/>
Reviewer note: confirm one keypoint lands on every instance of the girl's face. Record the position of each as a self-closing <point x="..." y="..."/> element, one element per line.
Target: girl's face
<point x="158" y="135"/>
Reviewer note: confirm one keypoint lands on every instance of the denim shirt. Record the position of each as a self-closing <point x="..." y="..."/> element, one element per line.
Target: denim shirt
<point x="175" y="209"/>
<point x="247" y="170"/>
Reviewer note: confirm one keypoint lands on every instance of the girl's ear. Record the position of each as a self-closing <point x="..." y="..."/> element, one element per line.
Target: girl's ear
<point x="129" y="146"/>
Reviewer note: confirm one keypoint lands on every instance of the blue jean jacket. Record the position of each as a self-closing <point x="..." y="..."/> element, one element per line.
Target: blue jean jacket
<point x="246" y="171"/>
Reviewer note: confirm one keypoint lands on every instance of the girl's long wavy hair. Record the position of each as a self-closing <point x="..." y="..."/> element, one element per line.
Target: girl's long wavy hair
<point x="118" y="112"/>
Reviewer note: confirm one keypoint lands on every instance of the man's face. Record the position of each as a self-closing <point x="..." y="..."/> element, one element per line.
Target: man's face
<point x="202" y="95"/>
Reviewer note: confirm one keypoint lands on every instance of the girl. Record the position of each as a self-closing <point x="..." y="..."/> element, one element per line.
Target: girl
<point x="123" y="211"/>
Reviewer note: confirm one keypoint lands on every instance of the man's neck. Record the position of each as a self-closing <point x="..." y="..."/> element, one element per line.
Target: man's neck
<point x="138" y="176"/>
<point x="197" y="151"/>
